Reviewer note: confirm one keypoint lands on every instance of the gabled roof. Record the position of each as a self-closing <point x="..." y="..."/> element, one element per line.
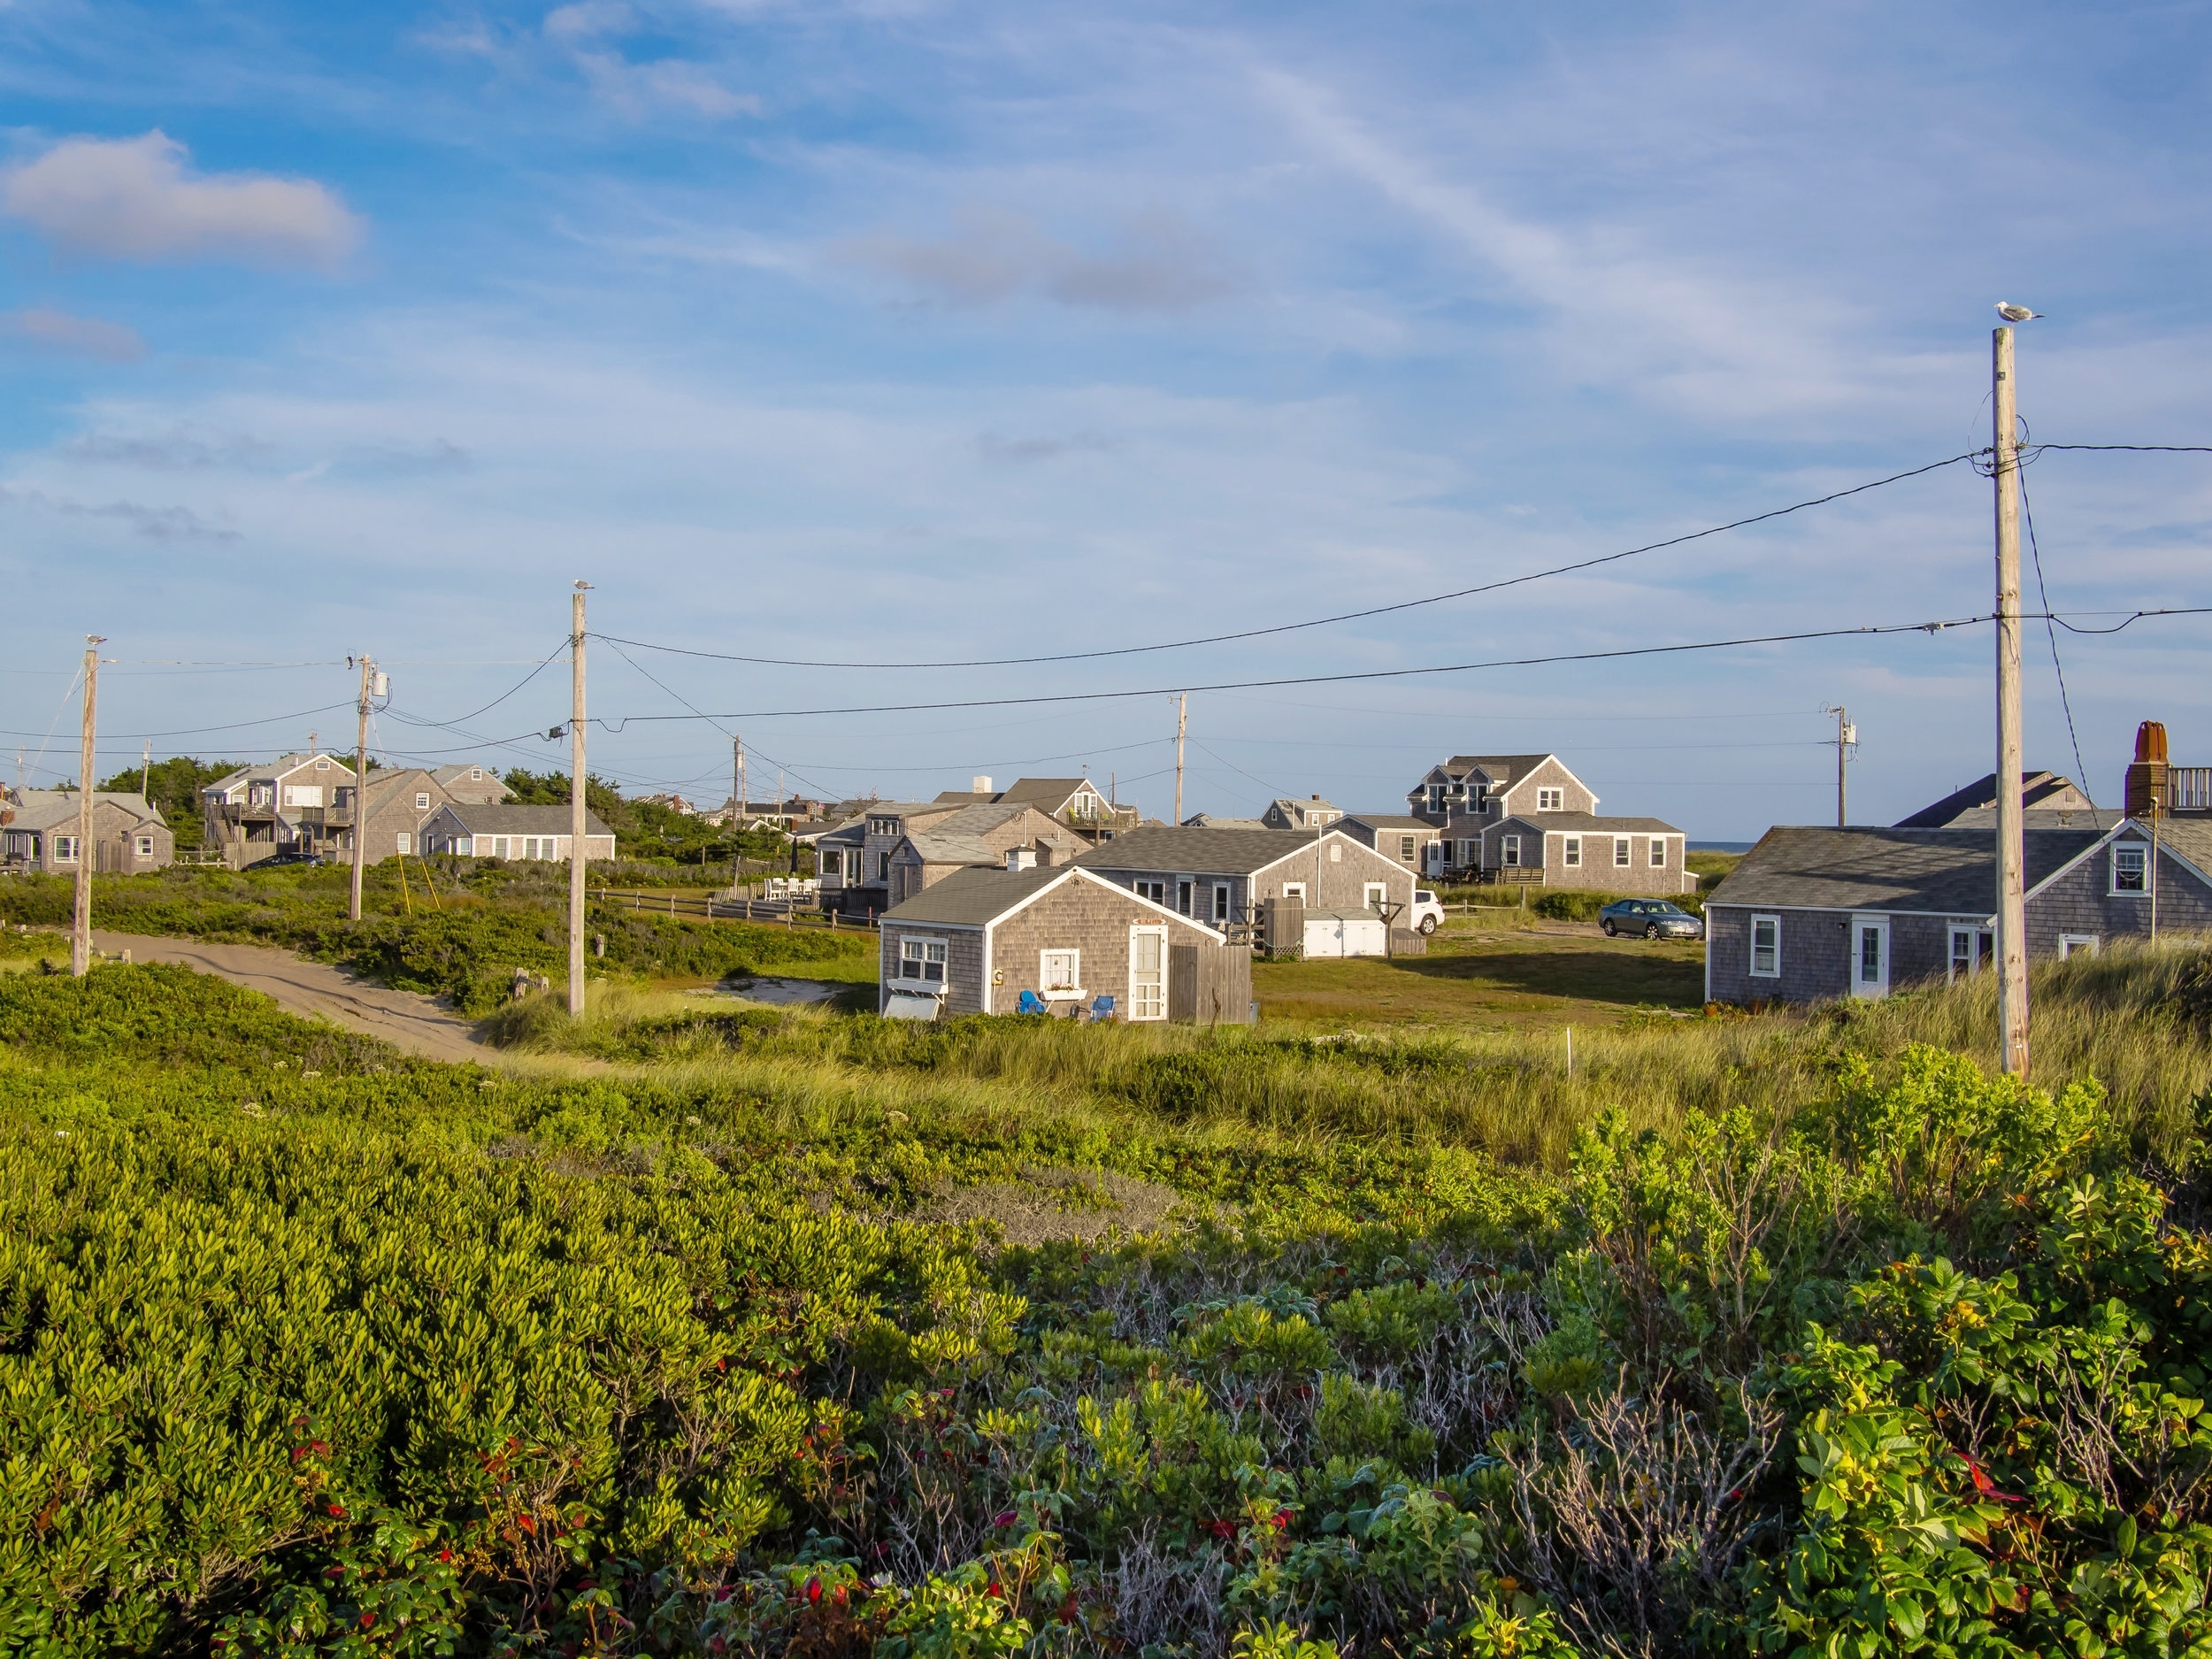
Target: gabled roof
<point x="1049" y="795"/>
<point x="1499" y="769"/>
<point x="1590" y="823"/>
<point x="2045" y="790"/>
<point x="501" y="819"/>
<point x="273" y="769"/>
<point x="1932" y="871"/>
<point x="1215" y="820"/>
<point x="977" y="897"/>
<point x="1392" y="821"/>
<point x="1170" y="850"/>
<point x="57" y="808"/>
<point x="446" y="776"/>
<point x="935" y="848"/>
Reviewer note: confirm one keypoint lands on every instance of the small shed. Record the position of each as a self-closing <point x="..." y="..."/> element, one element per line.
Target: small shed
<point x="1346" y="934"/>
<point x="980" y="940"/>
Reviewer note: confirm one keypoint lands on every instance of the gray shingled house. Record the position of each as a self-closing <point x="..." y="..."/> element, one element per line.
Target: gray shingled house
<point x="1411" y="841"/>
<point x="38" y="830"/>
<point x="1814" y="914"/>
<point x="1223" y="876"/>
<point x="975" y="837"/>
<point x="1528" y="818"/>
<point x="471" y="830"/>
<point x="973" y="942"/>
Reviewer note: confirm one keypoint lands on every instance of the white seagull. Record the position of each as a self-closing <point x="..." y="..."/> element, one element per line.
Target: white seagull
<point x="2013" y="313"/>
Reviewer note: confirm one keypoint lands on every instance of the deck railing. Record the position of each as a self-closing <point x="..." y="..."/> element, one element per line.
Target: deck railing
<point x="2189" y="789"/>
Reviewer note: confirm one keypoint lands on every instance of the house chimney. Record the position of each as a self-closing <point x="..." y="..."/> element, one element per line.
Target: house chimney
<point x="1045" y="855"/>
<point x="981" y="786"/>
<point x="2146" y="777"/>
<point x="1316" y="797"/>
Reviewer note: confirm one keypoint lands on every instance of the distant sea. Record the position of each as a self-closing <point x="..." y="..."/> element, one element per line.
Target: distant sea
<point x="1721" y="847"/>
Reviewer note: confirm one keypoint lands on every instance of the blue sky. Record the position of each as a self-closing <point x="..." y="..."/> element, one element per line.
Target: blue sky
<point x="911" y="331"/>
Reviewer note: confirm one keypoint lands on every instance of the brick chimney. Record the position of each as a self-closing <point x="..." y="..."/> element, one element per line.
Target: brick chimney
<point x="2147" y="776"/>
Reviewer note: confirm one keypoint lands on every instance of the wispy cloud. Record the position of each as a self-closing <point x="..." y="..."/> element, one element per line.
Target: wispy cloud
<point x="1163" y="264"/>
<point x="82" y="337"/>
<point x="156" y="524"/>
<point x="134" y="199"/>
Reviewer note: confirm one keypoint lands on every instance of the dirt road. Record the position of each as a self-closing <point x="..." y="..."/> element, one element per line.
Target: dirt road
<point x="416" y="1024"/>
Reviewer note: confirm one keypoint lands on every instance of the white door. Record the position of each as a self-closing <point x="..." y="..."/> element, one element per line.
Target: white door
<point x="1147" y="973"/>
<point x="1869" y="955"/>
<point x="1325" y="937"/>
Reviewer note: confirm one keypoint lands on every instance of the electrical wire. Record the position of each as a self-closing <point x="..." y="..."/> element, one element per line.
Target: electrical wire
<point x="1620" y="653"/>
<point x="201" y="730"/>
<point x="1317" y="622"/>
<point x="2050" y="627"/>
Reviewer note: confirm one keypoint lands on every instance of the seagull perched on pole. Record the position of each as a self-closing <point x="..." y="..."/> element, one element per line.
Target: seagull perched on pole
<point x="2013" y="313"/>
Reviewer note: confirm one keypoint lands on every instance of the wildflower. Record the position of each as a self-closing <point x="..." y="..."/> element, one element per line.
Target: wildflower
<point x="995" y="1588"/>
<point x="1282" y="1518"/>
<point x="367" y="1619"/>
<point x="1004" y="1518"/>
<point x="338" y="1510"/>
<point x="814" y="1591"/>
<point x="445" y="1554"/>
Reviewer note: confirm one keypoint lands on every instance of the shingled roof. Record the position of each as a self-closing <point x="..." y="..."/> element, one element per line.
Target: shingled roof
<point x="975" y="896"/>
<point x="1227" y="852"/>
<point x="1951" y="872"/>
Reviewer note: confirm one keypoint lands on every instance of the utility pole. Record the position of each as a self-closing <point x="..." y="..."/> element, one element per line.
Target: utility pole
<point x="80" y="931"/>
<point x="737" y="809"/>
<point x="360" y="789"/>
<point x="146" y="769"/>
<point x="1182" y="720"/>
<point x="2012" y="942"/>
<point x="1847" y="737"/>
<point x="576" y="811"/>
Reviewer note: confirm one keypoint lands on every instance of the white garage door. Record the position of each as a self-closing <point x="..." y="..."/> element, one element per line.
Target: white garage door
<point x="1344" y="936"/>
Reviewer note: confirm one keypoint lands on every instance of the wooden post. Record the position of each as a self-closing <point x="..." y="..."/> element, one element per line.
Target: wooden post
<point x="577" y="815"/>
<point x="1182" y="721"/>
<point x="81" y="920"/>
<point x="2012" y="943"/>
<point x="360" y="794"/>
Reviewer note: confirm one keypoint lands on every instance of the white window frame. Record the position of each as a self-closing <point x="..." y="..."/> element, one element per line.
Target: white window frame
<point x="1294" y="890"/>
<point x="403" y="842"/>
<point x="1571" y="851"/>
<point x="1551" y="799"/>
<point x="1408" y="848"/>
<point x="1623" y="852"/>
<point x="1336" y="852"/>
<point x="1186" y="895"/>
<point x="1658" y="852"/>
<point x="1374" y="893"/>
<point x="2068" y="943"/>
<point x="64" y="849"/>
<point x="1773" y="947"/>
<point x="422" y="800"/>
<point x="1060" y="975"/>
<point x="1147" y="887"/>
<point x="1508" y="852"/>
<point x="1968" y="962"/>
<point x="2142" y="855"/>
<point x="1146" y="1007"/>
<point x="1222" y="901"/>
<point x="322" y="765"/>
<point x="916" y="948"/>
<point x="143" y="846"/>
<point x="476" y="775"/>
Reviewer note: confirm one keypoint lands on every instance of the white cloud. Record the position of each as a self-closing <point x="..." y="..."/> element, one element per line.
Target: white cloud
<point x="132" y="198"/>
<point x="994" y="254"/>
<point x="86" y="336"/>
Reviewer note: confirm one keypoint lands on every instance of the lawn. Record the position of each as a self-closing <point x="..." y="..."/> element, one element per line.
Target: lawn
<point x="1477" y="975"/>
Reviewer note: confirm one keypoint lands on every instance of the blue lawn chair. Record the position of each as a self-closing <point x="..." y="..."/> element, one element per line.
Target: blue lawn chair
<point x="1102" y="1009"/>
<point x="1031" y="1002"/>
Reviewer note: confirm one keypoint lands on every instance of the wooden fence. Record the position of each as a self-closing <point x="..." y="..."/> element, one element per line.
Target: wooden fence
<point x="714" y="908"/>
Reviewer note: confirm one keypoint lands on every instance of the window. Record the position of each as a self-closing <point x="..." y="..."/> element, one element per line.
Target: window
<point x="322" y="765"/>
<point x="1374" y="895"/>
<point x="1766" y="947"/>
<point x="1221" y="902"/>
<point x="883" y="866"/>
<point x="1147" y="973"/>
<point x="257" y="794"/>
<point x="144" y="845"/>
<point x="1972" y="949"/>
<point x="1572" y="852"/>
<point x="1059" y="972"/>
<point x="922" y="959"/>
<point x="1550" y="800"/>
<point x="883" y="826"/>
<point x="1405" y="848"/>
<point x="2129" y="870"/>
<point x="1336" y="852"/>
<point x="1658" y="852"/>
<point x="422" y="800"/>
<point x="2068" y="943"/>
<point x="1183" y="890"/>
<point x="404" y="842"/>
<point x="1156" y="891"/>
<point x="1621" y="857"/>
<point x="1294" y="890"/>
<point x="1510" y="851"/>
<point x="1468" y="853"/>
<point x="64" y="849"/>
<point x="476" y="775"/>
<point x="1869" y="955"/>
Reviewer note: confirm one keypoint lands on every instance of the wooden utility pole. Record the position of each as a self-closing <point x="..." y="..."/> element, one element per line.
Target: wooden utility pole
<point x="1846" y="734"/>
<point x="145" y="769"/>
<point x="360" y="789"/>
<point x="576" y="808"/>
<point x="2012" y="941"/>
<point x="81" y="930"/>
<point x="1182" y="720"/>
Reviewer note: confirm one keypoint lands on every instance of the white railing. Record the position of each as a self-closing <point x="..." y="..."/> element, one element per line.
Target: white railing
<point x="2188" y="789"/>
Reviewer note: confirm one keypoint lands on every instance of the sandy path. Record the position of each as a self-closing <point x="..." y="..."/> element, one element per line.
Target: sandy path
<point x="416" y="1024"/>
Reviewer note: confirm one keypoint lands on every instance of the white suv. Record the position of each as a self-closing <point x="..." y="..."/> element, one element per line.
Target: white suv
<point x="1428" y="915"/>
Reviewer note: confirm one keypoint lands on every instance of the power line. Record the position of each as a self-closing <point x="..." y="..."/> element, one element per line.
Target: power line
<point x="1937" y="626"/>
<point x="203" y="731"/>
<point x="2050" y="627"/>
<point x="1317" y="622"/>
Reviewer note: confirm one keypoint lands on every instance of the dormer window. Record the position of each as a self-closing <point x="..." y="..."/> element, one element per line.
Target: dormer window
<point x="883" y="826"/>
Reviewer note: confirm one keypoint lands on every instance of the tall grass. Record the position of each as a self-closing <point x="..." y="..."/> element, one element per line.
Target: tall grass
<point x="2126" y="1018"/>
